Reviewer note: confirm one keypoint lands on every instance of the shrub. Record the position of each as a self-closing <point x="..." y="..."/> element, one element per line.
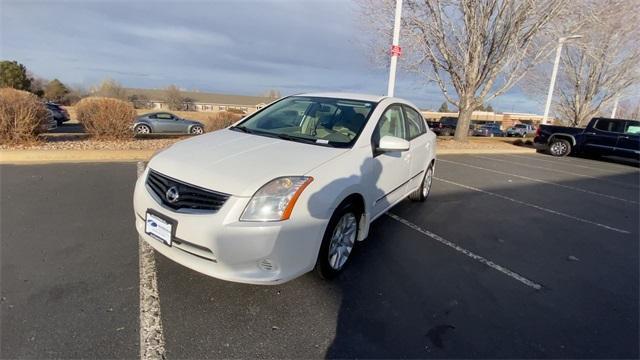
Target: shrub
<point x="106" y="117"/>
<point x="518" y="142"/>
<point x="22" y="116"/>
<point x="221" y="120"/>
<point x="236" y="111"/>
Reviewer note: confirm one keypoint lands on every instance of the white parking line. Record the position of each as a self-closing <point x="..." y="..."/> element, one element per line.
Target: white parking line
<point x="541" y="181"/>
<point x="534" y="206"/>
<point x="466" y="252"/>
<point x="564" y="162"/>
<point x="151" y="333"/>
<point x="557" y="170"/>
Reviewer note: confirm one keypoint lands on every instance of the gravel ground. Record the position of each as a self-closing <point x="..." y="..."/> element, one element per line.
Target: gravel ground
<point x="89" y="144"/>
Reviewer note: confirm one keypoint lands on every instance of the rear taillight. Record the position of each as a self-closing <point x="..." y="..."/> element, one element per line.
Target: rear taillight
<point x="538" y="131"/>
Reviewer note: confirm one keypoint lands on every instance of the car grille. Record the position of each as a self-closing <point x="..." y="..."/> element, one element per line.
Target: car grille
<point x="190" y="197"/>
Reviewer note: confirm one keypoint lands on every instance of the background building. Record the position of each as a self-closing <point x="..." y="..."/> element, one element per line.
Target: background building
<point x="200" y="101"/>
<point x="505" y="120"/>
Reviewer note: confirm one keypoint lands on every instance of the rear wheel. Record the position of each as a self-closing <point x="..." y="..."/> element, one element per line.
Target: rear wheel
<point x="196" y="130"/>
<point x="422" y="192"/>
<point x="559" y="147"/>
<point x="142" y="129"/>
<point x="338" y="241"/>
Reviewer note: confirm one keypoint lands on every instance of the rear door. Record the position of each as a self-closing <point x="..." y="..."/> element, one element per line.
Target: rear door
<point x="603" y="136"/>
<point x="390" y="169"/>
<point x="420" y="146"/>
<point x="629" y="141"/>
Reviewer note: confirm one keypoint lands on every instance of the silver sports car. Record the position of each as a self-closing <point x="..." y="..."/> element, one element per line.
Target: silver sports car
<point x="164" y="122"/>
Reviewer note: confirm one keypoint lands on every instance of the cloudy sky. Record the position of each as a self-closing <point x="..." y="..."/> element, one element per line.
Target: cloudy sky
<point x="239" y="47"/>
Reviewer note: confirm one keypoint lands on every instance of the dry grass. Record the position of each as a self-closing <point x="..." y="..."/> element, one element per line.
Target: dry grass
<point x="22" y="117"/>
<point x="220" y="120"/>
<point x="106" y="118"/>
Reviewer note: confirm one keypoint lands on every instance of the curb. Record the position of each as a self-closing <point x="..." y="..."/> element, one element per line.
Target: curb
<point x="24" y="157"/>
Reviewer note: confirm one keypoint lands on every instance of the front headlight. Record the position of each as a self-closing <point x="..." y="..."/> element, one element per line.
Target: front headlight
<point x="274" y="201"/>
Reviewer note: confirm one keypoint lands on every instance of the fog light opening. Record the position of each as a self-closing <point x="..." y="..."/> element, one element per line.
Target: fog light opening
<point x="267" y="265"/>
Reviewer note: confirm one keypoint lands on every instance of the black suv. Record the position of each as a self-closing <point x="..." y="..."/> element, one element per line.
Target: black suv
<point x="60" y="115"/>
<point x="445" y="127"/>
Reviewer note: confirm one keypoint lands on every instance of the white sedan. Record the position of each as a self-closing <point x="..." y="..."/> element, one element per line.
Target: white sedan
<point x="287" y="190"/>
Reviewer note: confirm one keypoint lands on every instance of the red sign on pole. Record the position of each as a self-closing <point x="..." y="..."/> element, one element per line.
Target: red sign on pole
<point x="396" y="50"/>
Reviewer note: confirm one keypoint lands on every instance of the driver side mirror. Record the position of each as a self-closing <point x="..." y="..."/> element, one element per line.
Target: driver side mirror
<point x="392" y="143"/>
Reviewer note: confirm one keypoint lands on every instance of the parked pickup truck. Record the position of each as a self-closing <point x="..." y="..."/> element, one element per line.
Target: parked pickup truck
<point x="601" y="137"/>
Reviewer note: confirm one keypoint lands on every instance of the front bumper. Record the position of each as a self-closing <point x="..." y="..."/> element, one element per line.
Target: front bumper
<point x="219" y="245"/>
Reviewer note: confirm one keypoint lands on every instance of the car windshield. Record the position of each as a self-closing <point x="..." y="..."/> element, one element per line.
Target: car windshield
<point x="322" y="121"/>
<point x="521" y="126"/>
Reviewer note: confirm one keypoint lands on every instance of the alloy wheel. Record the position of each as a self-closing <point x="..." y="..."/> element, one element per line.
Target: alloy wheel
<point x="558" y="148"/>
<point x="426" y="185"/>
<point x="342" y="240"/>
<point x="142" y="129"/>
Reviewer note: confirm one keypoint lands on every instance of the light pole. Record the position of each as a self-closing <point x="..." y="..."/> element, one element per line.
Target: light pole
<point x="553" y="75"/>
<point x="615" y="107"/>
<point x="395" y="49"/>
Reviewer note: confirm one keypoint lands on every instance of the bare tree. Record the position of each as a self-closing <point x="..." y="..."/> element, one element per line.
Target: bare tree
<point x="603" y="64"/>
<point x="273" y="94"/>
<point x="111" y="89"/>
<point x="476" y="48"/>
<point x="174" y="98"/>
<point x="628" y="109"/>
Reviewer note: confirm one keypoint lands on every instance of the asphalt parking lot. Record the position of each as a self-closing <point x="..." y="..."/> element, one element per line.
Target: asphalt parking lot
<point x="511" y="256"/>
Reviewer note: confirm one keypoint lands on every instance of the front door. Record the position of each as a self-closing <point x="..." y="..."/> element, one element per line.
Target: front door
<point x="390" y="170"/>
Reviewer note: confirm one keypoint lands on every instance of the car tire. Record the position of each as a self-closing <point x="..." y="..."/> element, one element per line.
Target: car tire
<point x="559" y="147"/>
<point x="196" y="130"/>
<point x="329" y="264"/>
<point x="142" y="129"/>
<point x="423" y="191"/>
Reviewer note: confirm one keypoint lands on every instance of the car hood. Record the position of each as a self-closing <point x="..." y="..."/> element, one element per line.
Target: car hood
<point x="237" y="163"/>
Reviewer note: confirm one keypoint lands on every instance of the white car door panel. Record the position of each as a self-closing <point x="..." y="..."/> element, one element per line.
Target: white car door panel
<point x="389" y="169"/>
<point x="416" y="134"/>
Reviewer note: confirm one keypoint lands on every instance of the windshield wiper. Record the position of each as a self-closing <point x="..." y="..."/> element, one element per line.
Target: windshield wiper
<point x="242" y="128"/>
<point x="296" y="138"/>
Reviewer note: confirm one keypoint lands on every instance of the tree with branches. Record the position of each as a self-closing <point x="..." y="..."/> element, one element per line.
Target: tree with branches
<point x="111" y="89"/>
<point x="174" y="98"/>
<point x="474" y="50"/>
<point x="598" y="67"/>
<point x="55" y="90"/>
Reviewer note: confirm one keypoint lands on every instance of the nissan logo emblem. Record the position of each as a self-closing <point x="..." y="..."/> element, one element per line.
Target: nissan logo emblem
<point x="172" y="195"/>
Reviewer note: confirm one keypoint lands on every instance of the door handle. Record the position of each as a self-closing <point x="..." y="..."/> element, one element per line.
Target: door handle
<point x="624" y="137"/>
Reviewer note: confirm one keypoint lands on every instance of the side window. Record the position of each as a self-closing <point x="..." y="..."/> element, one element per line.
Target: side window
<point x="391" y="123"/>
<point x="415" y="123"/>
<point x="609" y="125"/>
<point x="632" y="127"/>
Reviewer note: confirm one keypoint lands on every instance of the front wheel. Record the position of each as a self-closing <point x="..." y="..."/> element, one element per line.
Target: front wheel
<point x="338" y="241"/>
<point x="422" y="192"/>
<point x="560" y="147"/>
<point x="196" y="130"/>
<point x="142" y="129"/>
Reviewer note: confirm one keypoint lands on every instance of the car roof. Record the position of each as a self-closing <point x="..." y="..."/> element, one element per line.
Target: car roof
<point x="345" y="95"/>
